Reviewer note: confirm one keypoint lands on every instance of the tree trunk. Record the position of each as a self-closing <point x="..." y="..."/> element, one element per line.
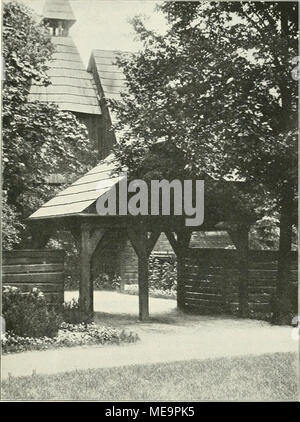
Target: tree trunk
<point x="282" y="301"/>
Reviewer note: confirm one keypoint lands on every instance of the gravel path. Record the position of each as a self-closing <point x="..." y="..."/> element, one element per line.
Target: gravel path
<point x="169" y="336"/>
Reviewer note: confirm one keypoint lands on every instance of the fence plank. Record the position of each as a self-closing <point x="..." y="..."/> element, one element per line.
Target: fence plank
<point x="42" y="269"/>
<point x="211" y="280"/>
<point x="32" y="268"/>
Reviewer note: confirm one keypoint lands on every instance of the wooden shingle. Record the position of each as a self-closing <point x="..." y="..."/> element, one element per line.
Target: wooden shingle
<point x="58" y="9"/>
<point x="111" y="76"/>
<point x="72" y="87"/>
<point x="82" y="193"/>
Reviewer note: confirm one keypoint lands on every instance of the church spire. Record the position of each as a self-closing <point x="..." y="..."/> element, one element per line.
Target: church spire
<point x="59" y="15"/>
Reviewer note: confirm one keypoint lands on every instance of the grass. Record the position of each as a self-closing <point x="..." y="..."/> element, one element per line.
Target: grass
<point x="265" y="377"/>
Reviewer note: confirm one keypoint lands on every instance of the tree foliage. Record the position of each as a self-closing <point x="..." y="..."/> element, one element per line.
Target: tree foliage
<point x="218" y="85"/>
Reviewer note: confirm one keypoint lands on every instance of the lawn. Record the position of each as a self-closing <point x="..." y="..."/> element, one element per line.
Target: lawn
<point x="264" y="377"/>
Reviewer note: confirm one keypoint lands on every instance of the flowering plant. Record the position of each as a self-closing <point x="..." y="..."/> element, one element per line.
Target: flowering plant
<point x="69" y="335"/>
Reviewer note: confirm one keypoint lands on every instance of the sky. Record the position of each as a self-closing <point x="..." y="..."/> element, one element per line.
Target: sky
<point x="104" y="24"/>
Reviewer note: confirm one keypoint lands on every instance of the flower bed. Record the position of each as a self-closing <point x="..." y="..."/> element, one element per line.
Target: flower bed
<point x="69" y="335"/>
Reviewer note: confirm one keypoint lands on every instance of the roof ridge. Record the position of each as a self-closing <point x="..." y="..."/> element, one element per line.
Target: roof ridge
<point x="113" y="51"/>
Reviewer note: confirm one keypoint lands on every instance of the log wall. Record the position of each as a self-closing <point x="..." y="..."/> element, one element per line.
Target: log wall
<point x="210" y="285"/>
<point x="43" y="269"/>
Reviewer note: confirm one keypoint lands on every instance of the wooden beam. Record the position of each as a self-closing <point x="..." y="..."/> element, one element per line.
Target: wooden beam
<point x="143" y="287"/>
<point x="88" y="243"/>
<point x="143" y="246"/>
<point x="95" y="238"/>
<point x="240" y="237"/>
<point x="85" y="288"/>
<point x="151" y="242"/>
<point x="76" y="233"/>
<point x="183" y="240"/>
<point x="135" y="237"/>
<point x="173" y="241"/>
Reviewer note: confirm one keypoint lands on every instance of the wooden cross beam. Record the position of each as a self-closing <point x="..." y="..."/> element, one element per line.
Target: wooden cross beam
<point x="179" y="243"/>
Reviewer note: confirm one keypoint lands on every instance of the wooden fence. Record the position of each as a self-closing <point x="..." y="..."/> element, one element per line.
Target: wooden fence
<point x="43" y="269"/>
<point x="210" y="281"/>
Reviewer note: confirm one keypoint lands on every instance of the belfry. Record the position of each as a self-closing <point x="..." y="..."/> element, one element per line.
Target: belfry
<point x="58" y="14"/>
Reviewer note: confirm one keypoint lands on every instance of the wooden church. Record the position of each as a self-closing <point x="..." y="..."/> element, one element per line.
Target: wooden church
<point x="85" y="92"/>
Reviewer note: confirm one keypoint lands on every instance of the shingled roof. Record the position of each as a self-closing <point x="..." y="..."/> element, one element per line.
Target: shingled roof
<point x="205" y="239"/>
<point x="72" y="87"/>
<point x="82" y="193"/>
<point x="111" y="76"/>
<point x="58" y="9"/>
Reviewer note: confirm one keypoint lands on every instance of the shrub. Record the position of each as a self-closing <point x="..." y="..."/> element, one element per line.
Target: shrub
<point x="28" y="314"/>
<point x="162" y="275"/>
<point x="284" y="307"/>
<point x="162" y="279"/>
<point x="107" y="282"/>
<point x="64" y="240"/>
<point x="71" y="312"/>
<point x="71" y="283"/>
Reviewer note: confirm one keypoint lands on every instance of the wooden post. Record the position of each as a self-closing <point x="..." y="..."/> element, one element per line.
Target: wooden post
<point x="143" y="283"/>
<point x="179" y="246"/>
<point x="183" y="240"/>
<point x="143" y="247"/>
<point x="85" y="289"/>
<point x="180" y="282"/>
<point x="244" y="271"/>
<point x="122" y="258"/>
<point x="240" y="237"/>
<point x="89" y="242"/>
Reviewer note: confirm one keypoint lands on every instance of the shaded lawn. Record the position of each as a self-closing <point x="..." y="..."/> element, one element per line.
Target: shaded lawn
<point x="264" y="377"/>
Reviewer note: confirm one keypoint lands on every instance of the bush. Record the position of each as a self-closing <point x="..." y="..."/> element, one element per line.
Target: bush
<point x="162" y="279"/>
<point x="107" y="282"/>
<point x="28" y="314"/>
<point x="71" y="312"/>
<point x="64" y="240"/>
<point x="284" y="307"/>
<point x="163" y="275"/>
<point x="71" y="283"/>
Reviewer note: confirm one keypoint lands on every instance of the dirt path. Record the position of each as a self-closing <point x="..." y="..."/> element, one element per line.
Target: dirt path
<point x="169" y="336"/>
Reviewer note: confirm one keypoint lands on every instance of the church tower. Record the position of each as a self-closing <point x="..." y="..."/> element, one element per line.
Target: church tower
<point x="72" y="87"/>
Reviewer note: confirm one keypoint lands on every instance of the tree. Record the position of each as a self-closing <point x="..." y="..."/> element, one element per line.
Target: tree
<point x="38" y="138"/>
<point x="219" y="86"/>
